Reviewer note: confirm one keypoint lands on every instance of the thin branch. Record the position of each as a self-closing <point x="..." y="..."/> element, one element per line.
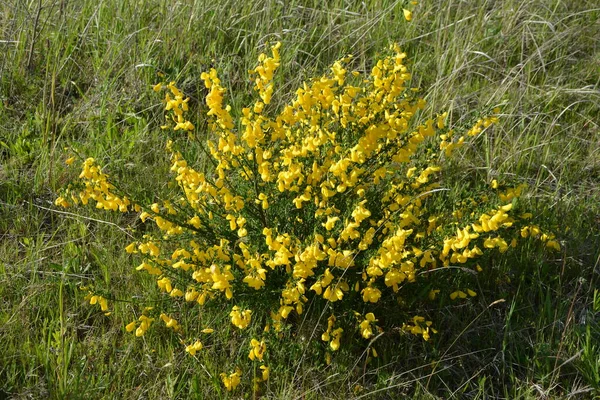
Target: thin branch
<point x="79" y="216"/>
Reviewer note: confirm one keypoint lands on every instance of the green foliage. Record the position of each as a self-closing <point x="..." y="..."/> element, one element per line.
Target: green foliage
<point x="85" y="69"/>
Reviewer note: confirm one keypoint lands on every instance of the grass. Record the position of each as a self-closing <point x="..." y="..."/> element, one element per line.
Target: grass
<point x="78" y="74"/>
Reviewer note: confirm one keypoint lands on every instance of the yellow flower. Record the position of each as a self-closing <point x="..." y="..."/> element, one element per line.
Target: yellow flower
<point x="330" y="222"/>
<point x="231" y="381"/>
<point x="193" y="348"/>
<point x="262" y="199"/>
<point x="371" y="295"/>
<point x="241" y="319"/>
<point x="365" y="326"/>
<point x="257" y="350"/>
<point x="195" y="222"/>
<point x="457" y="294"/>
<point x="144" y="325"/>
<point x="61" y="201"/>
<point x="131" y="248"/>
<point x="101" y="301"/>
<point x="169" y="322"/>
<point x="553" y="244"/>
<point x="337" y="335"/>
<point x="165" y="284"/>
<point x="407" y="14"/>
<point x="232" y="223"/>
<point x="265" y="372"/>
<point x="433" y="293"/>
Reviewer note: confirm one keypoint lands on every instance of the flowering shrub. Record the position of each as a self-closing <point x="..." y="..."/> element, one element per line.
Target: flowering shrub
<point x="329" y="202"/>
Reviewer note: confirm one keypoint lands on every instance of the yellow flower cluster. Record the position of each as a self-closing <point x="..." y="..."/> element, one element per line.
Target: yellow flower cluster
<point x="197" y="345"/>
<point x="257" y="353"/>
<point x="101" y="301"/>
<point x="419" y="326"/>
<point x="535" y="231"/>
<point x="232" y="380"/>
<point x="177" y="104"/>
<point x="95" y="187"/>
<point x="257" y="350"/>
<point x="241" y="319"/>
<point x="327" y="198"/>
<point x="366" y="326"/>
<point x="193" y="348"/>
<point x="332" y="335"/>
<point x="170" y="322"/>
<point x="144" y="323"/>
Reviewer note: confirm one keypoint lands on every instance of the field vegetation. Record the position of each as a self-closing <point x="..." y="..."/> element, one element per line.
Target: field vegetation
<point x="77" y="79"/>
